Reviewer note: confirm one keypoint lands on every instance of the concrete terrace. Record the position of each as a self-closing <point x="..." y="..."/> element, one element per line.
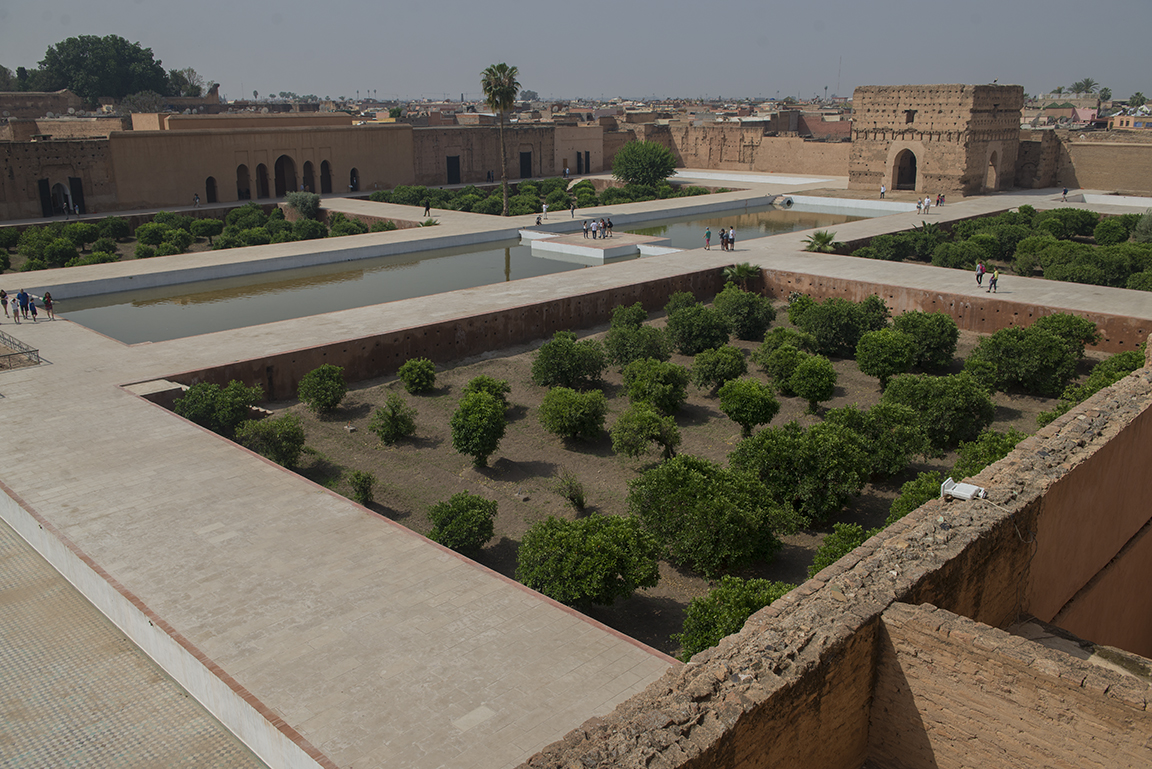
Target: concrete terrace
<point x="318" y="632"/>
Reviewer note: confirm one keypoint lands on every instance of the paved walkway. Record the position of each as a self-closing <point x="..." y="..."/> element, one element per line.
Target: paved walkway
<point x="75" y="692"/>
<point x="351" y="637"/>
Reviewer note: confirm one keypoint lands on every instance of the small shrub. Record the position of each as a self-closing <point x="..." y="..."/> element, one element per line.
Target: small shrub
<point x="151" y="234"/>
<point x="640" y="426"/>
<point x="934" y="336"/>
<point x="748" y="403"/>
<point x="81" y="233"/>
<point x="749" y="314"/>
<point x="115" y="227"/>
<point x="220" y="410"/>
<point x="497" y="388"/>
<point x="574" y="415"/>
<point x="812" y="472"/>
<point x="167" y="249"/>
<point x="393" y="420"/>
<point x="564" y="362"/>
<point x="361" y="483"/>
<point x="708" y="518"/>
<point x="322" y="388"/>
<point x="990" y="446"/>
<point x="309" y="229"/>
<point x="418" y="375"/>
<point x="1111" y="231"/>
<point x="950" y="408"/>
<point x="845" y="538"/>
<point x="254" y="236"/>
<point x="712" y="368"/>
<point x="207" y="228"/>
<point x="1142" y="232"/>
<point x="885" y="353"/>
<point x="593" y="560"/>
<point x="59" y="252"/>
<point x="678" y="301"/>
<point x="478" y="424"/>
<point x="1030" y="359"/>
<point x="385" y="225"/>
<point x="914" y="493"/>
<point x="814" y="380"/>
<point x="307" y="204"/>
<point x="798" y="306"/>
<point x="664" y="385"/>
<point x="837" y="324"/>
<point x="892" y="430"/>
<point x="464" y="522"/>
<point x="697" y="328"/>
<point x="781" y="364"/>
<point x="777" y="337"/>
<point x="626" y="344"/>
<point x="280" y="439"/>
<point x="711" y="618"/>
<point x="570" y="487"/>
<point x="104" y="245"/>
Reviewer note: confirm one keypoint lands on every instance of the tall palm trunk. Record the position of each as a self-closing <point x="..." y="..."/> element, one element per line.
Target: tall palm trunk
<point x="503" y="163"/>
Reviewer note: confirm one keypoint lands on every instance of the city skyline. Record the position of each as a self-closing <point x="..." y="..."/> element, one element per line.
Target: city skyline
<point x="602" y="50"/>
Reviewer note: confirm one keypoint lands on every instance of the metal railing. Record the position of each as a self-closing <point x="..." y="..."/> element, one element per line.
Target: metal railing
<point x="21" y="355"/>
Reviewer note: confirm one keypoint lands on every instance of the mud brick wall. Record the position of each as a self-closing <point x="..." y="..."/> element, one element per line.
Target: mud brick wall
<point x="980" y="314"/>
<point x="951" y="692"/>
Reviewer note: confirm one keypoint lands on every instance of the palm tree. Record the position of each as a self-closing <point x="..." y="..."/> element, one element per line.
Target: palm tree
<point x="822" y="241"/>
<point x="1058" y="90"/>
<point x="1087" y="85"/>
<point x="1106" y="94"/>
<point x="740" y="273"/>
<point x="500" y="88"/>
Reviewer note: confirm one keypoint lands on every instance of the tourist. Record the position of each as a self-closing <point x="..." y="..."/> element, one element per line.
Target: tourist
<point x="565" y="172"/>
<point x="22" y="299"/>
<point x="993" y="281"/>
<point x="595" y="225"/>
<point x="4" y="301"/>
<point x="585" y="228"/>
<point x="927" y="203"/>
<point x="196" y="200"/>
<point x="883" y="189"/>
<point x="980" y="273"/>
<point x="723" y="239"/>
<point x="732" y="239"/>
<point x="609" y="228"/>
<point x="919" y="205"/>
<point x="427" y="207"/>
<point x="1064" y="195"/>
<point x="537" y="220"/>
<point x="32" y="307"/>
<point x="573" y="209"/>
<point x="707" y="238"/>
<point x="942" y="196"/>
<point x="603" y="228"/>
<point x="545" y="210"/>
<point x="48" y="305"/>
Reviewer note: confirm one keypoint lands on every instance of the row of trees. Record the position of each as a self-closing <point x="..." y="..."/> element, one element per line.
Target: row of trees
<point x="60" y="244"/>
<point x="109" y="66"/>
<point x="1067" y="244"/>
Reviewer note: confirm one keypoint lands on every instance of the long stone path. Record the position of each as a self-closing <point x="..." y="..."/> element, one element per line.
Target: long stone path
<point x="317" y="631"/>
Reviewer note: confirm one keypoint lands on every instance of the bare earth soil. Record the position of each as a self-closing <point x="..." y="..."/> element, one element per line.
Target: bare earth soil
<point x="416" y="473"/>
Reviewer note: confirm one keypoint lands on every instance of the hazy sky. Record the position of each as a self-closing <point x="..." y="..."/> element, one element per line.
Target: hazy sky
<point x="594" y="48"/>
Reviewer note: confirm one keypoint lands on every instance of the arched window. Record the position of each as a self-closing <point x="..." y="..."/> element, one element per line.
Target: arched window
<point x="210" y="189"/>
<point x="243" y="183"/>
<point x="285" y="176"/>
<point x="354" y="181"/>
<point x="325" y="177"/>
<point x="309" y="181"/>
<point x="261" y="181"/>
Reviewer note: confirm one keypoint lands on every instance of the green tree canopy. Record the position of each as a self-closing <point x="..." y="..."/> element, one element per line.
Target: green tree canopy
<point x="592" y="560"/>
<point x="92" y="67"/>
<point x="724" y="611"/>
<point x="642" y="162"/>
<point x="708" y="518"/>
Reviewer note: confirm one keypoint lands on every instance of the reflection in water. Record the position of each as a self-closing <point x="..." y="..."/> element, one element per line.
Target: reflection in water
<point x="200" y="308"/>
<point x="688" y="232"/>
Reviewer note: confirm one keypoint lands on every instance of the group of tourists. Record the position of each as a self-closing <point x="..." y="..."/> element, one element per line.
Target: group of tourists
<point x="598" y="229"/>
<point x="922" y="206"/>
<point x="727" y="239"/>
<point x="24" y="305"/>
